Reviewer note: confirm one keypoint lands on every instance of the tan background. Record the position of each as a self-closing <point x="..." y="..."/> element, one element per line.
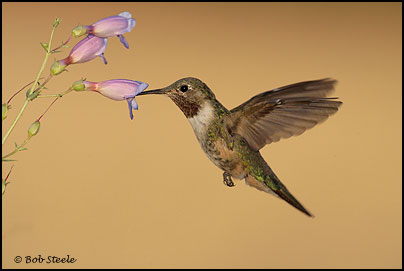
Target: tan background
<point x="113" y="192"/>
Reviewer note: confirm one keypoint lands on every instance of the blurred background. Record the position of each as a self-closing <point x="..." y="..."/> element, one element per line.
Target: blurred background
<point x="116" y="193"/>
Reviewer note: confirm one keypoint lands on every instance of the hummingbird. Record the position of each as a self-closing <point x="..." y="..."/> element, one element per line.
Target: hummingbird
<point x="232" y="139"/>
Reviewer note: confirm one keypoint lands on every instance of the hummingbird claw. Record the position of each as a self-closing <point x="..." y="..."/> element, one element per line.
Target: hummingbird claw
<point x="227" y="179"/>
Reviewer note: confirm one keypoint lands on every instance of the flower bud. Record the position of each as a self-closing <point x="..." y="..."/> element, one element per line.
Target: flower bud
<point x="78" y="86"/>
<point x="34" y="128"/>
<point x="56" y="22"/>
<point x="4" y="109"/>
<point x="57" y="68"/>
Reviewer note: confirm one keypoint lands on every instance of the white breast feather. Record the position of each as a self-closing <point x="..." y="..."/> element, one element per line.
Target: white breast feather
<point x="201" y="121"/>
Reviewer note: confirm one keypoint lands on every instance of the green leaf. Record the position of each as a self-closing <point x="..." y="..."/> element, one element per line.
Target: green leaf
<point x="3" y="186"/>
<point x="23" y="149"/>
<point x="27" y="93"/>
<point x="54" y="52"/>
<point x="45" y="46"/>
<point x="8" y="160"/>
<point x="34" y="95"/>
<point x="4" y="109"/>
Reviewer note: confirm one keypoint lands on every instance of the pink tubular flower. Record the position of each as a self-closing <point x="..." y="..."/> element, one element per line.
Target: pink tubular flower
<point x="117" y="89"/>
<point x="87" y="49"/>
<point x="109" y="27"/>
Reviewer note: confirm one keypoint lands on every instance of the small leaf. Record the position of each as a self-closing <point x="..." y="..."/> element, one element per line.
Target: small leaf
<point x="45" y="46"/>
<point x="8" y="160"/>
<point x="4" y="109"/>
<point x="27" y="93"/>
<point x="34" y="95"/>
<point x="23" y="149"/>
<point x="3" y="186"/>
<point x="16" y="146"/>
<point x="54" y="52"/>
<point x="65" y="46"/>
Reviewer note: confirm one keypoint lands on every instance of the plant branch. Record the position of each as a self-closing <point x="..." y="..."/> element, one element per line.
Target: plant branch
<point x="17" y="148"/>
<point x="9" y="100"/>
<point x="63" y="44"/>
<point x="32" y="89"/>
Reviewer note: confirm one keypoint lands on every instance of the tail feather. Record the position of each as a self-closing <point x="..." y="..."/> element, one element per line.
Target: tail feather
<point x="284" y="194"/>
<point x="273" y="185"/>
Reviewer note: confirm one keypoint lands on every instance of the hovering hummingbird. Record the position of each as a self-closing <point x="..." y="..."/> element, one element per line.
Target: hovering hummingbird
<point x="232" y="138"/>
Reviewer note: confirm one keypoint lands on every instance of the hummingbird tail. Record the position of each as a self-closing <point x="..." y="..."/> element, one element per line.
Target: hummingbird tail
<point x="273" y="185"/>
<point x="284" y="194"/>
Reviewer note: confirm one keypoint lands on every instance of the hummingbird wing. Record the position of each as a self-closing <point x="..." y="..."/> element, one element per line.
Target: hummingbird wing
<point x="283" y="112"/>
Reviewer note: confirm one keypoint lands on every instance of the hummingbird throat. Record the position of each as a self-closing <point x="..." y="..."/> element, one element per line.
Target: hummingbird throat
<point x="189" y="108"/>
<point x="201" y="120"/>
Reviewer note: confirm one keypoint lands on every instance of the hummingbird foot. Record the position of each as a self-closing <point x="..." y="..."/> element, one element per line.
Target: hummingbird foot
<point x="227" y="179"/>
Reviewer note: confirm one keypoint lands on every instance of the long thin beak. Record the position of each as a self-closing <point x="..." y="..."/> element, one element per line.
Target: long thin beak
<point x="154" y="91"/>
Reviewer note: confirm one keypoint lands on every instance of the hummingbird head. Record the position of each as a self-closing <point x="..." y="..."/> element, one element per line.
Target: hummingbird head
<point x="189" y="94"/>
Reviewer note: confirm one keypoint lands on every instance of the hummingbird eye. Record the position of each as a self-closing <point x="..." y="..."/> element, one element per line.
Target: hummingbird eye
<point x="184" y="88"/>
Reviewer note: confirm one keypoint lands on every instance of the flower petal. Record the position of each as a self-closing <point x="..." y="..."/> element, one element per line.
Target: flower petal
<point x="123" y="41"/>
<point x="134" y="104"/>
<point x="112" y="26"/>
<point x="87" y="49"/>
<point x="130" y="108"/>
<point x="125" y="14"/>
<point x="142" y="86"/>
<point x="104" y="59"/>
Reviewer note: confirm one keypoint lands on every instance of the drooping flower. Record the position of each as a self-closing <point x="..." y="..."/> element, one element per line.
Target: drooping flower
<point x="87" y="49"/>
<point x="108" y="27"/>
<point x="117" y="89"/>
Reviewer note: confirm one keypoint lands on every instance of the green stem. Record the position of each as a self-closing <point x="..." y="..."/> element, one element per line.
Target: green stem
<point x="58" y="96"/>
<point x="63" y="44"/>
<point x="55" y="95"/>
<point x="9" y="100"/>
<point x="31" y="90"/>
<point x="44" y="83"/>
<point x="17" y="148"/>
<point x="49" y="96"/>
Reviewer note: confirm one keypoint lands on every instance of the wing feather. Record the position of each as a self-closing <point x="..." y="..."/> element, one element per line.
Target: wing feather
<point x="283" y="112"/>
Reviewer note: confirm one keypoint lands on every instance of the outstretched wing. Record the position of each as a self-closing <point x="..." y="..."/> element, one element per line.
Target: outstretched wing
<point x="283" y="112"/>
